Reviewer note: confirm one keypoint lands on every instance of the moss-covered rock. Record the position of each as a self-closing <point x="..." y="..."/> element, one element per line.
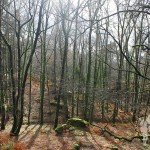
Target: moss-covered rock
<point x="77" y="122"/>
<point x="71" y="123"/>
<point x="76" y="146"/>
<point x="53" y="103"/>
<point x="71" y="128"/>
<point x="60" y="129"/>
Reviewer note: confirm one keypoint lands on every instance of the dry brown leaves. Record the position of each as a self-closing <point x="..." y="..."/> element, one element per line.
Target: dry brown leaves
<point x="19" y="146"/>
<point x="4" y="138"/>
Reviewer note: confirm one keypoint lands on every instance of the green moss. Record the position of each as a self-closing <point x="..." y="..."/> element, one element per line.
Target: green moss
<point x="71" y="124"/>
<point x="60" y="129"/>
<point x="79" y="133"/>
<point x="72" y="128"/>
<point x="114" y="148"/>
<point x="8" y="146"/>
<point x="76" y="146"/>
<point x="77" y="122"/>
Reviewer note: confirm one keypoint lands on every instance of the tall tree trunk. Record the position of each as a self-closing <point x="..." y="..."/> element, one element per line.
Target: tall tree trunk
<point x="95" y="75"/>
<point x="55" y="57"/>
<point x="74" y="59"/>
<point x="2" y="103"/>
<point x="20" y="121"/>
<point x="43" y="71"/>
<point x="88" y="78"/>
<point x="61" y="81"/>
<point x="30" y="98"/>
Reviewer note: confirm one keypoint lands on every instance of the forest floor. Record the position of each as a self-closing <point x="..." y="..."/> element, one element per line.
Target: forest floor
<point x="43" y="137"/>
<point x="36" y="137"/>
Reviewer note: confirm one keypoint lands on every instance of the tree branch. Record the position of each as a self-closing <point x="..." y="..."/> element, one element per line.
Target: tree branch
<point x="118" y="12"/>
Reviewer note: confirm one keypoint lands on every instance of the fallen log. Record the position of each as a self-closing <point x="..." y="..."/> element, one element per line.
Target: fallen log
<point x="129" y="139"/>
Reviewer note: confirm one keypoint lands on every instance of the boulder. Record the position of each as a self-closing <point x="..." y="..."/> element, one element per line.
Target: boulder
<point x="60" y="129"/>
<point x="77" y="122"/>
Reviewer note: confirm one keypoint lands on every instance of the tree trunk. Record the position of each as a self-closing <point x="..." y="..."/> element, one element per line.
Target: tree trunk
<point x="61" y="81"/>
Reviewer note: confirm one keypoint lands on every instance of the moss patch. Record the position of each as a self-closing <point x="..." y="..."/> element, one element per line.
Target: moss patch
<point x="79" y="133"/>
<point x="77" y="122"/>
<point x="60" y="129"/>
<point x="76" y="146"/>
<point x="71" y="124"/>
<point x="114" y="148"/>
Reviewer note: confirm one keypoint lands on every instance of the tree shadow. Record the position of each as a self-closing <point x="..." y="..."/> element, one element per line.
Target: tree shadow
<point x="112" y="140"/>
<point x="64" y="143"/>
<point x="27" y="132"/>
<point x="32" y="139"/>
<point x="94" y="139"/>
<point x="88" y="143"/>
<point x="83" y="139"/>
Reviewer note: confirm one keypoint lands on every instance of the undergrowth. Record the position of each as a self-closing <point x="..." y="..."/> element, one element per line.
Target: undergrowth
<point x="6" y="143"/>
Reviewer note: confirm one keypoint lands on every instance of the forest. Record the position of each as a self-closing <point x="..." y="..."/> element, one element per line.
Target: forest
<point x="74" y="74"/>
